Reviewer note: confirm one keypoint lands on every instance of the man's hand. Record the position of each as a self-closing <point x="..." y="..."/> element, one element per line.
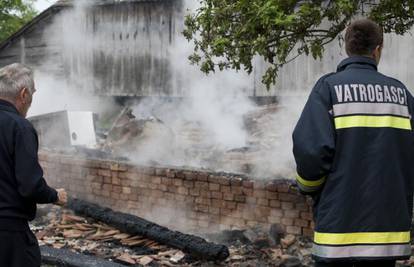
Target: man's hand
<point x="62" y="197"/>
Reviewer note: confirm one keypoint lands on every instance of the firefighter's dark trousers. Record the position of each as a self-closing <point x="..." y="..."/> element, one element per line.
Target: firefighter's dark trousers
<point x="358" y="264"/>
<point x="19" y="249"/>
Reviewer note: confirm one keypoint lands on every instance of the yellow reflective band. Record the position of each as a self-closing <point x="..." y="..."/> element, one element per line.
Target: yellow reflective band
<point x="310" y="183"/>
<point x="362" y="238"/>
<point x="373" y="121"/>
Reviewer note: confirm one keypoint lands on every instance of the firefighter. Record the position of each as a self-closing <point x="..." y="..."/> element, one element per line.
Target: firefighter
<point x="354" y="147"/>
<point x="21" y="178"/>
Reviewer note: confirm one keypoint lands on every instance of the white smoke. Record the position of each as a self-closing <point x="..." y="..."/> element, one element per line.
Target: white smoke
<point x="205" y="124"/>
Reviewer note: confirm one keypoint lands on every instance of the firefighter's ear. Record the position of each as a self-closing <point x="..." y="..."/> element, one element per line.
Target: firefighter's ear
<point x="377" y="53"/>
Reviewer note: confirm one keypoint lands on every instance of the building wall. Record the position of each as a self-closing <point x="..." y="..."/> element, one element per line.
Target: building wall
<point x="187" y="200"/>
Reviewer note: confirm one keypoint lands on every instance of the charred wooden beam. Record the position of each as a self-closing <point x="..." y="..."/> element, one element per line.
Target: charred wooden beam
<point x="195" y="246"/>
<point x="67" y="258"/>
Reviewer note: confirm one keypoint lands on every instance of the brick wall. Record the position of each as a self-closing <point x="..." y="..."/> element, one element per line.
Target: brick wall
<point x="190" y="200"/>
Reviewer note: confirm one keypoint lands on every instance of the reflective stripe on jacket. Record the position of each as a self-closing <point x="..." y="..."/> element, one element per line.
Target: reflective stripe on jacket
<point x="354" y="150"/>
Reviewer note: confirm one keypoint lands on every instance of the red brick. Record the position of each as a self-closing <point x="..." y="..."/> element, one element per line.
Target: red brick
<point x="214" y="187"/>
<point x="214" y="210"/>
<point x="248" y="192"/>
<point x="251" y="200"/>
<point x="202" y="177"/>
<point x="228" y="196"/>
<point x="306" y="216"/>
<point x="230" y="205"/>
<point x="156" y="193"/>
<point x="240" y="198"/>
<point x="223" y="180"/>
<point x="217" y="195"/>
<point x="201" y="185"/>
<point x="195" y="191"/>
<point x="161" y="172"/>
<point x="107" y="187"/>
<point x="170" y="173"/>
<point x="156" y="180"/>
<point x="287" y="205"/>
<point x="287" y="221"/>
<point x="263" y="202"/>
<point x="259" y="185"/>
<point x="288" y="197"/>
<point x="225" y="211"/>
<point x="276" y="213"/>
<point x="117" y="189"/>
<point x="271" y="219"/>
<point x="153" y="186"/>
<point x="180" y="198"/>
<point x="225" y="189"/>
<point x="133" y="197"/>
<point x="301" y="223"/>
<point x="182" y="190"/>
<point x="283" y="188"/>
<point x="259" y="193"/>
<point x="272" y="195"/>
<point x="115" y="195"/>
<point x="307" y="232"/>
<point x="126" y="182"/>
<point x="188" y="184"/>
<point x="105" y="173"/>
<point x="116" y="181"/>
<point x="217" y="203"/>
<point x="178" y="182"/>
<point x="302" y="206"/>
<point x="237" y="190"/>
<point x="204" y="201"/>
<point x="162" y="187"/>
<point x="247" y="184"/>
<point x="271" y="187"/>
<point x="275" y="204"/>
<point x="236" y="182"/>
<point x="294" y="230"/>
<point x="201" y="208"/>
<point x="291" y="213"/>
<point x="166" y="181"/>
<point x="205" y="193"/>
<point x="241" y="206"/>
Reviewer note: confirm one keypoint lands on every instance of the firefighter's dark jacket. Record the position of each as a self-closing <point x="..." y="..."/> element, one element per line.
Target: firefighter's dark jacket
<point x="354" y="149"/>
<point x="21" y="177"/>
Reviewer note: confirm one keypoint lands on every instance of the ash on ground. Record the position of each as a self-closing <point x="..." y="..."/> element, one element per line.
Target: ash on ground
<point x="259" y="246"/>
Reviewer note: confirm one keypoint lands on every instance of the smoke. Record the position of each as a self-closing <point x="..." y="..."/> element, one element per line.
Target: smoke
<point x="204" y="121"/>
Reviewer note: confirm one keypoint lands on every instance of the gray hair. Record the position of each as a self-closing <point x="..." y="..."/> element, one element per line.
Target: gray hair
<point x="14" y="78"/>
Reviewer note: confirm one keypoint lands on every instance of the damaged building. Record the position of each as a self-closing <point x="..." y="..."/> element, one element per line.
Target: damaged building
<point x="199" y="166"/>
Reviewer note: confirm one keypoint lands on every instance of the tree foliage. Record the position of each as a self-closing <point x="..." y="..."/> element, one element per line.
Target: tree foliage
<point x="229" y="34"/>
<point x="13" y="15"/>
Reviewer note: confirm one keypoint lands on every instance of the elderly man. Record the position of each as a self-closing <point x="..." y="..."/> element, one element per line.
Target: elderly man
<point x="21" y="178"/>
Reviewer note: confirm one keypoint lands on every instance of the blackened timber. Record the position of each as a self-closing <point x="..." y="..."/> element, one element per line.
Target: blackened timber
<point x="65" y="257"/>
<point x="195" y="246"/>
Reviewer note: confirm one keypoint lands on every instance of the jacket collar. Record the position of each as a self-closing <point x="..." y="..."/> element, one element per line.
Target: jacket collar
<point x="7" y="106"/>
<point x="357" y="62"/>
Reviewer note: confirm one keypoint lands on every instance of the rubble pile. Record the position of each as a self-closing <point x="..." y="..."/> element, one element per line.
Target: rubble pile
<point x="62" y="229"/>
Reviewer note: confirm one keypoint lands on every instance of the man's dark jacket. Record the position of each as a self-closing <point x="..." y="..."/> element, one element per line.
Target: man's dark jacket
<point x="21" y="177"/>
<point x="354" y="149"/>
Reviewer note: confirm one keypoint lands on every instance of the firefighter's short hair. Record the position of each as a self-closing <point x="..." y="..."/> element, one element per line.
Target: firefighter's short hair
<point x="362" y="37"/>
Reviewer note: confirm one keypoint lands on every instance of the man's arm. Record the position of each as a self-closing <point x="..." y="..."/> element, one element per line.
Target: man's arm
<point x="314" y="140"/>
<point x="29" y="174"/>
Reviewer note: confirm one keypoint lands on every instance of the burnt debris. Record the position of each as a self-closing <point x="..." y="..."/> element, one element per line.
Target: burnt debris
<point x="194" y="246"/>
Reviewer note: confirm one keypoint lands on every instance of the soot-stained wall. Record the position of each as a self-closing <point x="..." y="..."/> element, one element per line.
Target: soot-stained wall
<point x="189" y="200"/>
